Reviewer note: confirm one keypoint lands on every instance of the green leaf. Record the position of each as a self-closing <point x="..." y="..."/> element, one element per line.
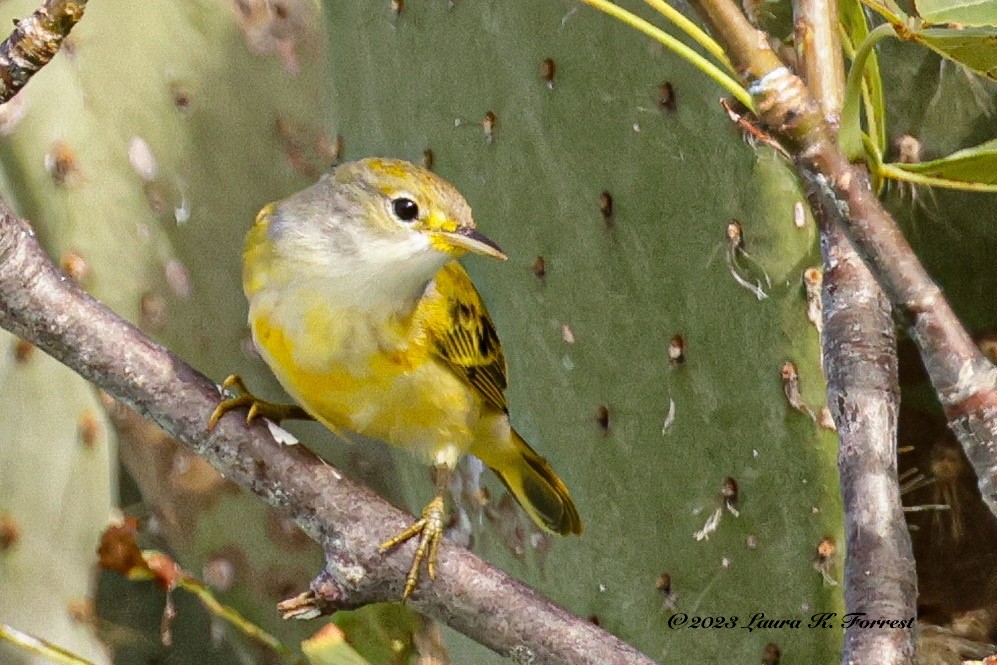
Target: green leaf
<point x="853" y="21"/>
<point x="975" y="48"/>
<point x="973" y="13"/>
<point x="328" y="647"/>
<point x="888" y="9"/>
<point x="977" y="164"/>
<point x="381" y="633"/>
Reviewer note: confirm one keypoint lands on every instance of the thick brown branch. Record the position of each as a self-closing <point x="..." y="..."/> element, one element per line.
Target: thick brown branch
<point x="861" y="363"/>
<point x="965" y="381"/>
<point x="860" y="358"/>
<point x="41" y="305"/>
<point x="34" y="42"/>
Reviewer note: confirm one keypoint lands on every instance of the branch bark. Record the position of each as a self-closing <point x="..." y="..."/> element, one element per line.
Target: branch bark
<point x="34" y="42"/>
<point x="860" y="358"/>
<point x="819" y="50"/>
<point x="43" y="306"/>
<point x="863" y="394"/>
<point x="965" y="381"/>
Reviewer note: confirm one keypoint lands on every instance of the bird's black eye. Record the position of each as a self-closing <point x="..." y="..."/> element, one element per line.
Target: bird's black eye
<point x="405" y="209"/>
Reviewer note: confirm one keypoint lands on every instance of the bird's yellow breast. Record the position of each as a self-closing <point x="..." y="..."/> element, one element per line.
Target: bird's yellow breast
<point x="357" y="371"/>
<point x="366" y="368"/>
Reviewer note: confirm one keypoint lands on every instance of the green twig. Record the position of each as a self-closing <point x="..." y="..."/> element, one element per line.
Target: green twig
<point x="895" y="171"/>
<point x="851" y="128"/>
<point x="888" y="10"/>
<point x="36" y="645"/>
<point x="230" y="615"/>
<point x="656" y="33"/>
<point x="693" y="30"/>
<point x="874" y="147"/>
<point x="872" y="92"/>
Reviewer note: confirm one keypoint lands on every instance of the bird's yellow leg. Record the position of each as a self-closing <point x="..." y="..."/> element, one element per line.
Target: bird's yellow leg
<point x="257" y="407"/>
<point x="430" y="530"/>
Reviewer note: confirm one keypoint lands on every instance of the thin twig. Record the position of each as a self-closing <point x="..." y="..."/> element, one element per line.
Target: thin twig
<point x="34" y="42"/>
<point x="41" y="305"/>
<point x="964" y="380"/>
<point x="32" y="644"/>
<point x="860" y="359"/>
<point x="819" y="50"/>
<point x="691" y="29"/>
<point x="656" y="33"/>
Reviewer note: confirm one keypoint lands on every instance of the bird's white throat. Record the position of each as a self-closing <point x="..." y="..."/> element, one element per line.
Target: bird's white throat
<point x="372" y="273"/>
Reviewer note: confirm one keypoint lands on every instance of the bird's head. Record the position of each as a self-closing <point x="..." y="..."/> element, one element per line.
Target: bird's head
<point x="405" y="202"/>
<point x="380" y="211"/>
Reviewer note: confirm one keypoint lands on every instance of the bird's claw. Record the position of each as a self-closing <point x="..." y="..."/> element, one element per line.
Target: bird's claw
<point x="430" y="530"/>
<point x="258" y="408"/>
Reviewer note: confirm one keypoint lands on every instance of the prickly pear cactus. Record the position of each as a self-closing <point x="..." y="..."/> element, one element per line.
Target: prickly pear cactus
<point x="141" y="154"/>
<point x="56" y="493"/>
<point x="645" y="440"/>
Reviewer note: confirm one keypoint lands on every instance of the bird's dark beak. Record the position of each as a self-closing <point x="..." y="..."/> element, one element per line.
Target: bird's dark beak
<point x="472" y="240"/>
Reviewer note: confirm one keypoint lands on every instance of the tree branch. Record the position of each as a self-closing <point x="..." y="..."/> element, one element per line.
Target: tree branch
<point x="965" y="381"/>
<point x="43" y="306"/>
<point x="861" y="363"/>
<point x="860" y="358"/>
<point x="819" y="49"/>
<point x="34" y="42"/>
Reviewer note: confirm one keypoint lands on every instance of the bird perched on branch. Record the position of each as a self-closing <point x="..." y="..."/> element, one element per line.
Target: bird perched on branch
<point x="358" y="305"/>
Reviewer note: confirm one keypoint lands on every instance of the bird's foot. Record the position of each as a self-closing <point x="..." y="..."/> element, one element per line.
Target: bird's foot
<point x="258" y="408"/>
<point x="430" y="531"/>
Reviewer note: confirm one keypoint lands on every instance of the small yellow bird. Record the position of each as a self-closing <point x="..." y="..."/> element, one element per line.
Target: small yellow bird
<point x="357" y="304"/>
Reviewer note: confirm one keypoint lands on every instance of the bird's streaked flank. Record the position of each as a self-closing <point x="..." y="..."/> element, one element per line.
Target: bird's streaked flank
<point x="357" y="304"/>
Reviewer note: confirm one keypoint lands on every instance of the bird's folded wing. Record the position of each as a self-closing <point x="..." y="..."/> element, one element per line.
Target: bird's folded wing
<point x="462" y="334"/>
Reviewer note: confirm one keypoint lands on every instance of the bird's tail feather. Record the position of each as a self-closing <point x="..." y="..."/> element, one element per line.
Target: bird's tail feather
<point x="535" y="485"/>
